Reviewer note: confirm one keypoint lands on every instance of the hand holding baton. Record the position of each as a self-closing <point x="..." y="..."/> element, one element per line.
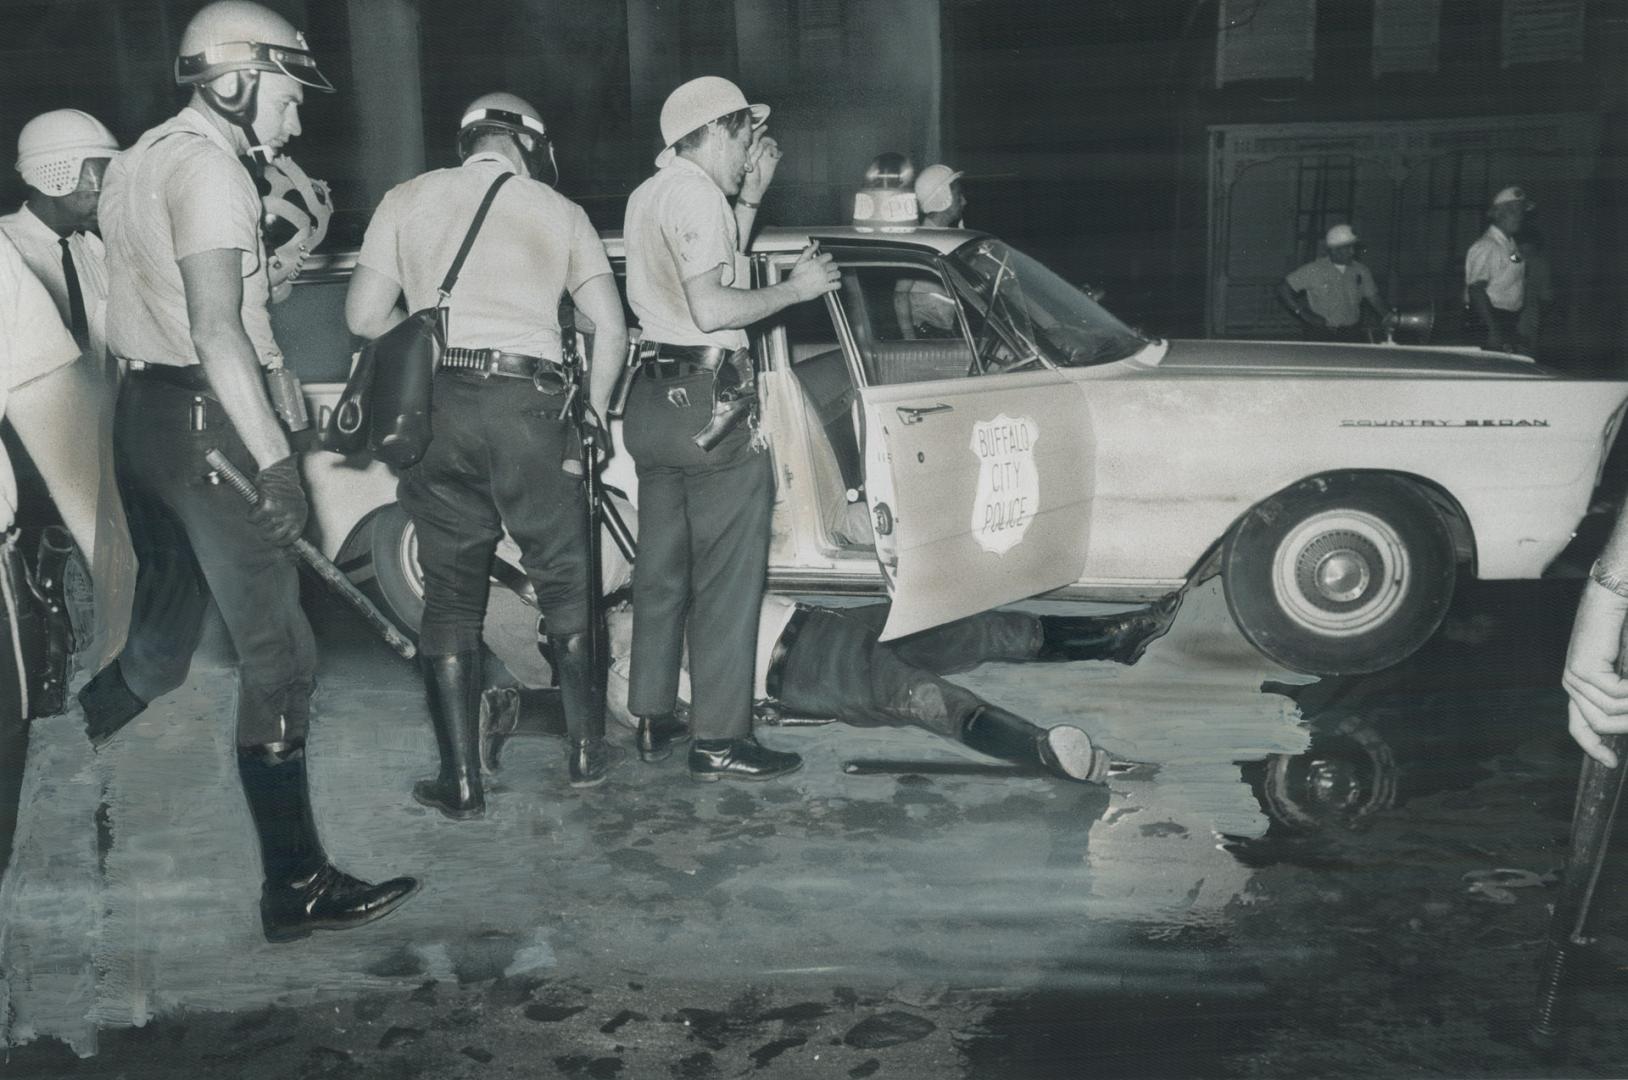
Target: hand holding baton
<point x="1599" y="791"/>
<point x="333" y="576"/>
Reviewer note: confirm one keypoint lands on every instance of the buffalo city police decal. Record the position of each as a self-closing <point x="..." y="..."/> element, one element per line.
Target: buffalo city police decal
<point x="1008" y="494"/>
<point x="1506" y="422"/>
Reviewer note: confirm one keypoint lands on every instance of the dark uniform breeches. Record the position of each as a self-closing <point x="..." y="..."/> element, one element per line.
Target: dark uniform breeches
<point x="193" y="540"/>
<point x="703" y="557"/>
<point x="493" y="463"/>
<point x="837" y="668"/>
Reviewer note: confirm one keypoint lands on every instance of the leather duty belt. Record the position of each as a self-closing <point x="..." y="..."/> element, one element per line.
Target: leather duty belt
<point x="484" y="363"/>
<point x="187" y="377"/>
<point x="662" y="361"/>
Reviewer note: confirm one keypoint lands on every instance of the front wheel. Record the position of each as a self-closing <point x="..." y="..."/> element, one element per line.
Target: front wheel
<point x="1340" y="575"/>
<point x="381" y="558"/>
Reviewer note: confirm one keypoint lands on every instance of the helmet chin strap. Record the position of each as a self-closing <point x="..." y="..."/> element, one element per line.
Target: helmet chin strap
<point x="534" y="159"/>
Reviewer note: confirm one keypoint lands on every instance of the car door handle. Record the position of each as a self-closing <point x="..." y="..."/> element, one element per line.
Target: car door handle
<point x="912" y="414"/>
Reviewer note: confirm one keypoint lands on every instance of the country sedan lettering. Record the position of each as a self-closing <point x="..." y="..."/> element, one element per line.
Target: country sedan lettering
<point x="1029" y="442"/>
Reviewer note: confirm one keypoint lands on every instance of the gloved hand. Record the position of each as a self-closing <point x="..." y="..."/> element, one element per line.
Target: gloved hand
<point x="281" y="512"/>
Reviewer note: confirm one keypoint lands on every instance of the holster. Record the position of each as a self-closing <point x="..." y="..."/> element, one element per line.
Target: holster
<point x="44" y="632"/>
<point x="733" y="396"/>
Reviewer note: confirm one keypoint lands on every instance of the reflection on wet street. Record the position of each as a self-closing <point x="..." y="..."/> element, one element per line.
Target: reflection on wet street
<point x="1332" y="877"/>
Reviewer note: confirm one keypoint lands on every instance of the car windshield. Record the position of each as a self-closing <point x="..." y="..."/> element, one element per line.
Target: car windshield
<point x="1022" y="311"/>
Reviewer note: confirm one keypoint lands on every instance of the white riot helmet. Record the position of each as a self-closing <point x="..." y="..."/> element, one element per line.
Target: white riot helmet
<point x="294" y="220"/>
<point x="516" y="117"/>
<point x="237" y="35"/>
<point x="53" y="148"/>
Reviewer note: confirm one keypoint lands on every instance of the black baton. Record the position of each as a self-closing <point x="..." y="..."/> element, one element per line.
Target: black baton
<point x="326" y="570"/>
<point x="1599" y="790"/>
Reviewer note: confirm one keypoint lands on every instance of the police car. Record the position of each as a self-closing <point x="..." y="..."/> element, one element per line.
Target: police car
<point x="960" y="428"/>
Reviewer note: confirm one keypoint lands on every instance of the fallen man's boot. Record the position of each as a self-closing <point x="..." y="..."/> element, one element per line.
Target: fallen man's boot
<point x="453" y="686"/>
<point x="303" y="891"/>
<point x="1064" y="751"/>
<point x="109" y="705"/>
<point x="1121" y="639"/>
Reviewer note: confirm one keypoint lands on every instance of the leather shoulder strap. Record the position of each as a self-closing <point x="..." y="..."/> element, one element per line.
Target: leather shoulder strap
<point x="469" y="237"/>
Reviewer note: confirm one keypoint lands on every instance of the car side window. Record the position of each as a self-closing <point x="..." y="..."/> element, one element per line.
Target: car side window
<point x="310" y="328"/>
<point x="906" y="323"/>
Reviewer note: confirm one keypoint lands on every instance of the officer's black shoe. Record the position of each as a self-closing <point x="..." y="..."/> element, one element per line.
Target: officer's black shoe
<point x="109" y="704"/>
<point x="1121" y="639"/>
<point x="739" y="759"/>
<point x="656" y="735"/>
<point x="1064" y="751"/>
<point x="303" y="891"/>
<point x="453" y="682"/>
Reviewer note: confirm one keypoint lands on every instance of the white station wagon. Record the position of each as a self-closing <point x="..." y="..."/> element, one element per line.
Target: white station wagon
<point x="961" y="428"/>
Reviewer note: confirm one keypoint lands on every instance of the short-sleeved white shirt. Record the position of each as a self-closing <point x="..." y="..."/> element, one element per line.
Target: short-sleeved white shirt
<point x="1335" y="293"/>
<point x="41" y="249"/>
<point x="1496" y="260"/>
<point x="179" y="191"/>
<point x="534" y="245"/>
<point x="33" y="343"/>
<point x="679" y="225"/>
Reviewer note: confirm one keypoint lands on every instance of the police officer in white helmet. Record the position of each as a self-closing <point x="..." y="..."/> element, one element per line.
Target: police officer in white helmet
<point x="187" y="294"/>
<point x="62" y="156"/>
<point x="705" y="490"/>
<point x="499" y="424"/>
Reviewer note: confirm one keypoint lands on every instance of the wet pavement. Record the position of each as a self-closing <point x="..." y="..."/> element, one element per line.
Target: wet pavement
<point x="1346" y="877"/>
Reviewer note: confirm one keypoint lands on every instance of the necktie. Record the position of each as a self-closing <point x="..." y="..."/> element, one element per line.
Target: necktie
<point x="76" y="299"/>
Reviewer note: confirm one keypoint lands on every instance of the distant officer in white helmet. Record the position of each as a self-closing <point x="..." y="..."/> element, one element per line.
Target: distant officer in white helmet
<point x="1495" y="273"/>
<point x="923" y="307"/>
<point x="1328" y="294"/>
<point x="61" y="156"/>
<point x="939" y="196"/>
<point x="188" y="288"/>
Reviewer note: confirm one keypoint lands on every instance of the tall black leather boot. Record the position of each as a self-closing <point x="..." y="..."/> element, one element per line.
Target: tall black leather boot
<point x="303" y="891"/>
<point x="453" y="682"/>
<point x="1064" y="751"/>
<point x="583" y="697"/>
<point x="109" y="704"/>
<point x="1118" y="638"/>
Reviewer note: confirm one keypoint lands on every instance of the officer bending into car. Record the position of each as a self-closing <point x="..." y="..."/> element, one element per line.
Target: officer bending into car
<point x="187" y="295"/>
<point x="705" y="487"/>
<point x="499" y="424"/>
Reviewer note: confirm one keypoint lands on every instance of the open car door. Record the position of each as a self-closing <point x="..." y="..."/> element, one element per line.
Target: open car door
<point x="979" y="485"/>
<point x="979" y="492"/>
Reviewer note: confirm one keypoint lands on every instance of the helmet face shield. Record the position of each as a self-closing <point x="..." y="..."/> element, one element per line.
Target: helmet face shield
<point x="294" y="220"/>
<point x="297" y="63"/>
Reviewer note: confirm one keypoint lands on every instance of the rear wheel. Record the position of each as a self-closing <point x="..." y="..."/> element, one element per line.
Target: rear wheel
<point x="1340" y="575"/>
<point x="381" y="558"/>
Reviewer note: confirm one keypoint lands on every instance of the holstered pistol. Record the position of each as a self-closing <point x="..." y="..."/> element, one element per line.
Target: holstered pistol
<point x="732" y="399"/>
